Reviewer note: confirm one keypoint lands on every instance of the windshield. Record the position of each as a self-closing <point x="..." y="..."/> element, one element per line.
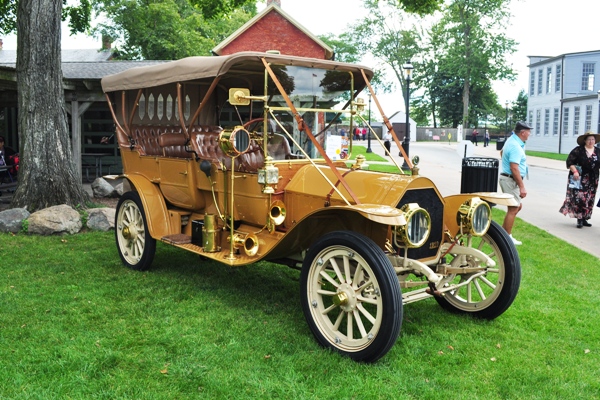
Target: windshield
<point x="320" y="97"/>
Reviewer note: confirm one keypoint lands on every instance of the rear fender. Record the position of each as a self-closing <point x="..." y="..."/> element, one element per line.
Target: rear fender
<point x="157" y="215"/>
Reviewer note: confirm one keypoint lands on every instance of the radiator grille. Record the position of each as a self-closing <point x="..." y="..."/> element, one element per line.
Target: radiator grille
<point x="429" y="200"/>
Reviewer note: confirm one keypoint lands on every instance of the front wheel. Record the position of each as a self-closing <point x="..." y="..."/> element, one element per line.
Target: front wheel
<point x="489" y="295"/>
<point x="351" y="297"/>
<point x="136" y="246"/>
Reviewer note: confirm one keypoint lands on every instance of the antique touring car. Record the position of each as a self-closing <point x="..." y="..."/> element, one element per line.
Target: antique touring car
<point x="240" y="158"/>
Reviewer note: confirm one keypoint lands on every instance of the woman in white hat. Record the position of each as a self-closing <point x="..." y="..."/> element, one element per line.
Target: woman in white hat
<point x="583" y="163"/>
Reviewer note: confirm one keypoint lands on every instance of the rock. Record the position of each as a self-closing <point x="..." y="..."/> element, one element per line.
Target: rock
<point x="101" y="188"/>
<point x="12" y="220"/>
<point x="119" y="189"/>
<point x="101" y="219"/>
<point x="55" y="220"/>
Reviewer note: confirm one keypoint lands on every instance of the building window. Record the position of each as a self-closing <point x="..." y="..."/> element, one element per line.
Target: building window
<point x="555" y="124"/>
<point x="532" y="83"/>
<point x="538" y="122"/>
<point x="587" y="77"/>
<point x="540" y="80"/>
<point x="566" y="121"/>
<point x="588" y="118"/>
<point x="546" y="122"/>
<point x="575" y="120"/>
<point x="530" y="118"/>
<point x="549" y="80"/>
<point x="558" y="76"/>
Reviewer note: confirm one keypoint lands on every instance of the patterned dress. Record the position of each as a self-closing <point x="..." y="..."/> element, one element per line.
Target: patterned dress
<point x="579" y="203"/>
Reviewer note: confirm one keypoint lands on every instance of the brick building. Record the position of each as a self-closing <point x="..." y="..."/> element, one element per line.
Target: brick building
<point x="273" y="29"/>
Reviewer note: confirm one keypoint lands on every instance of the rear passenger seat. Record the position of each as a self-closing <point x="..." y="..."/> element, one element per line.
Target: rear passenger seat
<point x="169" y="141"/>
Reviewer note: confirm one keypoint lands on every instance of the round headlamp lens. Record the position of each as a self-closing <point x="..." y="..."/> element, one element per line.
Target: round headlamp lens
<point x="418" y="226"/>
<point x="475" y="216"/>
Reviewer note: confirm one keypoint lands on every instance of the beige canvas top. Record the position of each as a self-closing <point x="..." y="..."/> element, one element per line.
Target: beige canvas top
<point x="209" y="67"/>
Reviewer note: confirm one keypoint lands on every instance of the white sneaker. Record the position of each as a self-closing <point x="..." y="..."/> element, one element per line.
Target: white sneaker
<point x="515" y="241"/>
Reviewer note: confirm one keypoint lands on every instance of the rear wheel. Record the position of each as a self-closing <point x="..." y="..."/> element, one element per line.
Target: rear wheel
<point x="351" y="296"/>
<point x="136" y="246"/>
<point x="488" y="296"/>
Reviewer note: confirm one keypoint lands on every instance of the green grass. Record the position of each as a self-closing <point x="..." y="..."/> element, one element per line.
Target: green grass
<point x="389" y="167"/>
<point x="76" y="324"/>
<point x="553" y="156"/>
<point x="356" y="150"/>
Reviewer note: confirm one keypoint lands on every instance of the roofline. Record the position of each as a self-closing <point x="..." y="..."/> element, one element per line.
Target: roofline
<point x="554" y="58"/>
<point x="257" y="17"/>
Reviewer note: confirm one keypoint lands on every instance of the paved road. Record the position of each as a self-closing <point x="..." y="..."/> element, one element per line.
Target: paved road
<point x="546" y="188"/>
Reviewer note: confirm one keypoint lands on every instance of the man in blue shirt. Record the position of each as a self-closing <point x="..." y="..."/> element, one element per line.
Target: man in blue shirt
<point x="512" y="172"/>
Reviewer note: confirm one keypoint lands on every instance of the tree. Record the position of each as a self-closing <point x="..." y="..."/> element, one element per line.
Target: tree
<point x="474" y="45"/>
<point x="170" y="29"/>
<point x="47" y="174"/>
<point x="388" y="36"/>
<point x="519" y="109"/>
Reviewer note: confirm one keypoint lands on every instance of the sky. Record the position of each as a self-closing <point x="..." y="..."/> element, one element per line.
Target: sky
<point x="540" y="27"/>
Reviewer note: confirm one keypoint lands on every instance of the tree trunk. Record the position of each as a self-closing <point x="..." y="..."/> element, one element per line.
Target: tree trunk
<point x="465" y="96"/>
<point x="47" y="174"/>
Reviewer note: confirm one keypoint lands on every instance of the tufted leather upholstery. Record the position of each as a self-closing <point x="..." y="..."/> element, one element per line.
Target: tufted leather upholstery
<point x="146" y="139"/>
<point x="170" y="141"/>
<point x="252" y="160"/>
<point x="206" y="143"/>
<point x="205" y="140"/>
<point x="173" y="144"/>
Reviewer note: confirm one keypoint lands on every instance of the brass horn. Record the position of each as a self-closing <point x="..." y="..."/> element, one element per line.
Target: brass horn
<point x="277" y="212"/>
<point x="248" y="241"/>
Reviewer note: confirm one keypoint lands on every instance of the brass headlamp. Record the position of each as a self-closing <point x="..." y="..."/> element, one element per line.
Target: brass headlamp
<point x="474" y="216"/>
<point x="417" y="229"/>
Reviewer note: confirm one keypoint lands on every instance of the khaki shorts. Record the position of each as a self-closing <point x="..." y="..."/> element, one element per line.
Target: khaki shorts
<point x="508" y="185"/>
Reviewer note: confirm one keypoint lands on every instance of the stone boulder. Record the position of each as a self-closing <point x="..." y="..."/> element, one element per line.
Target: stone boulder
<point x="101" y="188"/>
<point x="55" y="220"/>
<point x="11" y="220"/>
<point x="119" y="189"/>
<point x="101" y="219"/>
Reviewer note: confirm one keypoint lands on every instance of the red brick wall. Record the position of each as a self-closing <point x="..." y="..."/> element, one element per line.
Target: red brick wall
<point x="273" y="32"/>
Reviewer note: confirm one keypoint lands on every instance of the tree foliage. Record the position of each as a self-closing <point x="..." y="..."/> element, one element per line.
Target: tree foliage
<point x="8" y="11"/>
<point x="474" y="45"/>
<point x="519" y="108"/>
<point x="78" y="15"/>
<point x="456" y="58"/>
<point x="420" y="7"/>
<point x="170" y="29"/>
<point x="385" y="34"/>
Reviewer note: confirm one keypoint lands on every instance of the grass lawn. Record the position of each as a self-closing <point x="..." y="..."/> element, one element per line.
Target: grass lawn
<point x="553" y="156"/>
<point x="76" y="324"/>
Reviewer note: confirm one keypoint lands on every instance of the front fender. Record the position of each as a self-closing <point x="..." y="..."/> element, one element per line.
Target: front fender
<point x="453" y="202"/>
<point x="157" y="215"/>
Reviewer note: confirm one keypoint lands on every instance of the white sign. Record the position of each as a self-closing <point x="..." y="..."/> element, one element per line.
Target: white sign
<point x="465" y="148"/>
<point x="333" y="147"/>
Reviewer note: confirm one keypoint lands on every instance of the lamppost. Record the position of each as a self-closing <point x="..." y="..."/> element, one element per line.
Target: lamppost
<point x="369" y="131"/>
<point x="406" y="144"/>
<point x="506" y="131"/>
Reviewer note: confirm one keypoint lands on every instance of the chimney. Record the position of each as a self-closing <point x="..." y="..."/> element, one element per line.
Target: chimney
<point x="106" y="42"/>
<point x="276" y="2"/>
